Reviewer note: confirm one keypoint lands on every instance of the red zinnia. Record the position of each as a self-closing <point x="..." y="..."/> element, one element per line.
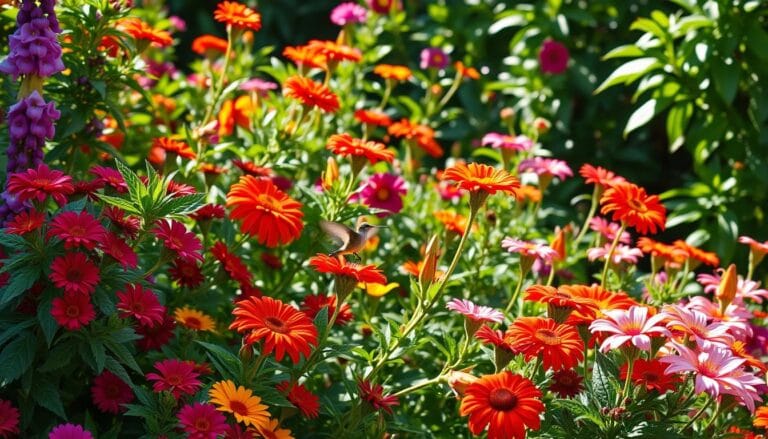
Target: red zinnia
<point x="553" y="57"/>
<point x="631" y="205"/>
<point x="111" y="177"/>
<point x="600" y="176"/>
<point x="494" y="337"/>
<point x="311" y="93"/>
<point x="423" y="135"/>
<point x="373" y="117"/>
<point x="559" y="345"/>
<point x="373" y="394"/>
<point x="129" y="225"/>
<point x="163" y="145"/>
<point x="237" y="15"/>
<point x="209" y="212"/>
<point x="504" y="402"/>
<point x="651" y="374"/>
<point x="140" y="30"/>
<point x="280" y="327"/>
<point x="75" y="273"/>
<point x="566" y="383"/>
<point x="77" y="229"/>
<point x="37" y="184"/>
<point x="206" y="43"/>
<point x="9" y="419"/>
<point x="340" y="267"/>
<point x="73" y="310"/>
<point x="202" y="421"/>
<point x="155" y="337"/>
<point x="177" y="239"/>
<point x="110" y="392"/>
<point x="601" y="300"/>
<point x="266" y="211"/>
<point x="313" y="303"/>
<point x="176" y="376"/>
<point x="116" y="247"/>
<point x="303" y="399"/>
<point x="231" y="263"/>
<point x="346" y="145"/>
<point x="141" y="304"/>
<point x="186" y="273"/>
<point x="559" y="303"/>
<point x="25" y="222"/>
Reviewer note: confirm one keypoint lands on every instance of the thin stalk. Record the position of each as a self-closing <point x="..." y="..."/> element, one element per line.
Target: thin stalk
<point x="609" y="256"/>
<point x="698" y="415"/>
<point x="590" y="215"/>
<point x="516" y="293"/>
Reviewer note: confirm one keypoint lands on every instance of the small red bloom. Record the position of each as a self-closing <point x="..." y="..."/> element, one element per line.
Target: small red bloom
<point x="111" y="177"/>
<point x="141" y="304"/>
<point x="176" y="376"/>
<point x="128" y="225"/>
<point x="566" y="383"/>
<point x="39" y="183"/>
<point x="237" y="15"/>
<point x="651" y="374"/>
<point x="311" y="93"/>
<point x="553" y="57"/>
<point x="373" y="394"/>
<point x="303" y="399"/>
<point x="232" y="264"/>
<point x="116" y="247"/>
<point x="177" y="239"/>
<point x="110" y="392"/>
<point x="77" y="229"/>
<point x="25" y="222"/>
<point x="155" y="337"/>
<point x="599" y="176"/>
<point x="313" y="303"/>
<point x="340" y="267"/>
<point x="74" y="273"/>
<point x="9" y="419"/>
<point x="209" y="212"/>
<point x="73" y="310"/>
<point x="186" y="273"/>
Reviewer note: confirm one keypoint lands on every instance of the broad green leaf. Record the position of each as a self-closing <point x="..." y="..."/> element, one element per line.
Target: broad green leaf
<point x="625" y="51"/>
<point x="126" y="205"/>
<point x="645" y="113"/>
<point x="116" y="368"/>
<point x="47" y="322"/>
<point x="677" y="122"/>
<point x="47" y="395"/>
<point x="604" y="383"/>
<point x="650" y="26"/>
<point x="224" y="358"/>
<point x="22" y="279"/>
<point x="17" y="356"/>
<point x="629" y="72"/>
<point x="725" y="74"/>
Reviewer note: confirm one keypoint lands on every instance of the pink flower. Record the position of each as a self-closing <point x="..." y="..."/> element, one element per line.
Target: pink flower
<point x="141" y="304"/>
<point x="433" y="58"/>
<point x="745" y="289"/>
<point x="176" y="376"/>
<point x="608" y="229"/>
<point x="736" y="317"/>
<point x="203" y="421"/>
<point x="546" y="167"/>
<point x="260" y="86"/>
<point x="504" y="141"/>
<point x="475" y="312"/>
<point x="349" y="12"/>
<point x="631" y="325"/>
<point x="529" y="249"/>
<point x="622" y="253"/>
<point x="70" y="431"/>
<point x="755" y="246"/>
<point x="553" y="57"/>
<point x="694" y="323"/>
<point x="383" y="191"/>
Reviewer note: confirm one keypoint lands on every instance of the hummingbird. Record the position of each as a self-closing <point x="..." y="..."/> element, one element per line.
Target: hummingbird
<point x="350" y="241"/>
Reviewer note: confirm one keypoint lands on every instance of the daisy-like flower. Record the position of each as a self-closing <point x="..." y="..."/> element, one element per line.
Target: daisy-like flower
<point x="505" y="403"/>
<point x="69" y="431"/>
<point x="39" y="183"/>
<point x="630" y="204"/>
<point x="633" y="326"/>
<point x="202" y="421"/>
<point x="383" y="191"/>
<point x="175" y="376"/>
<point x="77" y="229"/>
<point x="505" y="141"/>
<point x="313" y="303"/>
<point x="393" y="72"/>
<point x="271" y="430"/>
<point x="279" y="327"/>
<point x="651" y="375"/>
<point x="155" y="337"/>
<point x="74" y="273"/>
<point x="735" y="316"/>
<point x="311" y="93"/>
<point x="693" y="324"/>
<point x="306" y="57"/>
<point x="621" y="254"/>
<point x="209" y="45"/>
<point x="209" y="212"/>
<point x="348" y="13"/>
<point x="142" y="31"/>
<point x="608" y="230"/>
<point x="599" y="176"/>
<point x="162" y="146"/>
<point x="566" y="383"/>
<point x="237" y="15"/>
<point x="453" y="222"/>
<point x="127" y="225"/>
<point x="477" y="177"/>
<point x="559" y="345"/>
<point x="241" y="402"/>
<point x="359" y="150"/>
<point x="186" y="273"/>
<point x="422" y="135"/>
<point x="335" y="52"/>
<point x="529" y="250"/>
<point x="373" y="394"/>
<point x="760" y="418"/>
<point x="560" y="303"/>
<point x="178" y="239"/>
<point x="433" y="58"/>
<point x="232" y="264"/>
<point x="745" y="289"/>
<point x="697" y="255"/>
<point x="553" y="57"/>
<point x="267" y="212"/>
<point x="141" y="304"/>
<point x="307" y="402"/>
<point x="547" y="168"/>
<point x="24" y="222"/>
<point x="474" y="312"/>
<point x="494" y="337"/>
<point x="109" y="393"/>
<point x="111" y="177"/>
<point x="121" y="252"/>
<point x="347" y="274"/>
<point x="663" y="253"/>
<point x="373" y="117"/>
<point x="600" y="298"/>
<point x="194" y="319"/>
<point x="466" y="71"/>
<point x="9" y="419"/>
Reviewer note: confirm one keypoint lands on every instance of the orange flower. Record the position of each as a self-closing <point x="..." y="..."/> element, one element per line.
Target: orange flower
<point x="346" y="145"/>
<point x="600" y="298"/>
<point x="389" y="71"/>
<point x="760" y="418"/>
<point x="668" y="254"/>
<point x="423" y="135"/>
<point x="477" y="177"/>
<point x="560" y="303"/>
<point x="600" y="176"/>
<point x="306" y="56"/>
<point x="704" y="257"/>
<point x="279" y="327"/>
<point x="271" y="430"/>
<point x="163" y="145"/>
<point x="311" y="93"/>
<point x="739" y="349"/>
<point x="341" y="268"/>
<point x="452" y="221"/>
<point x="241" y="402"/>
<point x="504" y="402"/>
<point x="266" y="211"/>
<point x="194" y="319"/>
<point x="631" y="205"/>
<point x="335" y="52"/>
<point x="237" y="112"/>
<point x="237" y="15"/>
<point x="465" y="71"/>
<point x="528" y="193"/>
<point x="559" y="345"/>
<point x="209" y="44"/>
<point x="142" y="31"/>
<point x="373" y="117"/>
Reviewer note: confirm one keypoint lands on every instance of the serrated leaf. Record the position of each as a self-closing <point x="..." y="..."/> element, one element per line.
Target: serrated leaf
<point x="17" y="356"/>
<point x="57" y="357"/>
<point x="136" y="189"/>
<point x="116" y="368"/>
<point x="22" y="279"/>
<point x="179" y="206"/>
<point x="13" y="242"/>
<point x="99" y="354"/>
<point x="8" y="332"/>
<point x="126" y="205"/>
<point x="604" y="384"/>
<point x="123" y="354"/>
<point x="47" y="395"/>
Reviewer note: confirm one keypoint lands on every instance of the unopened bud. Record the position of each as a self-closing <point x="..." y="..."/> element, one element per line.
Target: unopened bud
<point x="541" y="125"/>
<point x="459" y="381"/>
<point x="429" y="267"/>
<point x="729" y="284"/>
<point x="558" y="244"/>
<point x="331" y="173"/>
<point x="507" y="114"/>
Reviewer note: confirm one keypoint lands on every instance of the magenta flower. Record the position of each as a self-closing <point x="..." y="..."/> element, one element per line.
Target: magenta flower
<point x="260" y="86"/>
<point x="382" y="191"/>
<point x="474" y="312"/>
<point x="433" y="58"/>
<point x="504" y="141"/>
<point x="529" y="249"/>
<point x="175" y="376"/>
<point x="553" y="57"/>
<point x="70" y="431"/>
<point x="608" y="229"/>
<point x="203" y="421"/>
<point x="745" y="289"/>
<point x="349" y="12"/>
<point x="546" y="167"/>
<point x="694" y="324"/>
<point x="631" y="325"/>
<point x="622" y="253"/>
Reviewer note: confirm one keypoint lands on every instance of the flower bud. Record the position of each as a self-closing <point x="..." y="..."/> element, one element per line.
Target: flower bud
<point x="541" y="125"/>
<point x="459" y="381"/>
<point x="729" y="284"/>
<point x="558" y="244"/>
<point x="428" y="269"/>
<point x="331" y="173"/>
<point x="507" y="114"/>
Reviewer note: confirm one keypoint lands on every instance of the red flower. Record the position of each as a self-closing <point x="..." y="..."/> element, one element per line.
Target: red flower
<point x="494" y="337"/>
<point x="186" y="273"/>
<point x="346" y="145"/>
<point x="334" y="51"/>
<point x="237" y="15"/>
<point x="566" y="383"/>
<point x="155" y="337"/>
<point x="177" y="239"/>
<point x="111" y="177"/>
<point x="313" y="303"/>
<point x="311" y="93"/>
<point x="373" y="394"/>
<point x="140" y="30"/>
<point x="373" y="117"/>
<point x="73" y="310"/>
<point x="39" y="183"/>
<point x="423" y="135"/>
<point x="559" y="345"/>
<point x="631" y="205"/>
<point x="175" y="376"/>
<point x="506" y="403"/>
<point x="206" y="43"/>
<point x="650" y="373"/>
<point x="266" y="211"/>
<point x="307" y="402"/>
<point x="231" y="263"/>
<point x="9" y="419"/>
<point x="281" y="328"/>
<point x="163" y="145"/>
<point x="110" y="392"/>
<point x="25" y="222"/>
<point x="116" y="247"/>
<point x="209" y="212"/>
<point x="74" y="273"/>
<point x="202" y="421"/>
<point x="553" y="57"/>
<point x="600" y="176"/>
<point x="129" y="225"/>
<point x="250" y="168"/>
<point x="141" y="304"/>
<point x="77" y="229"/>
<point x="341" y="268"/>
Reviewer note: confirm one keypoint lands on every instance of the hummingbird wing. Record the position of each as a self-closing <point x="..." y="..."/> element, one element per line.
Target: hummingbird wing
<point x="339" y="232"/>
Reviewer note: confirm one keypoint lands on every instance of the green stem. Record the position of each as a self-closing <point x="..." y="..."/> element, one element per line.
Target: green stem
<point x="590" y="215"/>
<point x="609" y="256"/>
<point x="420" y="385"/>
<point x="218" y="89"/>
<point x="516" y="293"/>
<point x="628" y="379"/>
<point x="698" y="415"/>
<point x="451" y="91"/>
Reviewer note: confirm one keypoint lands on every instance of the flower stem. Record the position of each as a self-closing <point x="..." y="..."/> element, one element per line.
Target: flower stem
<point x="698" y="415"/>
<point x="516" y="293"/>
<point x="590" y="215"/>
<point x="609" y="256"/>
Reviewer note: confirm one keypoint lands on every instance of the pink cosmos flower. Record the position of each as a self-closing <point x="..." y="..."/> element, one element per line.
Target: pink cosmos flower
<point x="608" y="229"/>
<point x="546" y="167"/>
<point x="745" y="289"/>
<point x="631" y="325"/>
<point x="433" y="58"/>
<point x="553" y="57"/>
<point x="529" y="249"/>
<point x="504" y="141"/>
<point x="349" y="12"/>
<point x="694" y="324"/>
<point x="622" y="253"/>
<point x="736" y="317"/>
<point x="260" y="86"/>
<point x="383" y="191"/>
<point x="475" y="312"/>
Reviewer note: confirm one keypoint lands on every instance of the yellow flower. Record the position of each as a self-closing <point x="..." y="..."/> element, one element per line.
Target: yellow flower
<point x="272" y="430"/>
<point x="239" y="401"/>
<point x="378" y="290"/>
<point x="194" y="319"/>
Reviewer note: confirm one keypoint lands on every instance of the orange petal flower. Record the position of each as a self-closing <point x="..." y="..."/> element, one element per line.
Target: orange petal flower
<point x="422" y="134"/>
<point x="505" y="402"/>
<point x="760" y="418"/>
<point x="467" y="72"/>
<point x="346" y="145"/>
<point x="561" y="298"/>
<point x="373" y="117"/>
<point x="334" y="51"/>
<point x="237" y="15"/>
<point x="194" y="319"/>
<point x="311" y="93"/>
<point x="478" y="177"/>
<point x="306" y="56"/>
<point x="630" y="204"/>
<point x="279" y="327"/>
<point x="209" y="43"/>
<point x="140" y="30"/>
<point x="266" y="211"/>
<point x="241" y="402"/>
<point x="163" y="145"/>
<point x="704" y="257"/>
<point x="600" y="298"/>
<point x="340" y="267"/>
<point x="452" y="221"/>
<point x="559" y="345"/>
<point x="237" y="112"/>
<point x="600" y="176"/>
<point x="389" y="71"/>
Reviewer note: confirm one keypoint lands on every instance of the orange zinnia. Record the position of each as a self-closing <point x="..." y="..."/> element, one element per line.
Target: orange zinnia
<point x="423" y="135"/>
<point x="194" y="319"/>
<point x="306" y="56"/>
<point x="504" y="402"/>
<point x="389" y="71"/>
<point x="208" y="44"/>
<point x="468" y="72"/>
<point x="266" y="211"/>
<point x="311" y="93"/>
<point x="477" y="177"/>
<point x="237" y="112"/>
<point x="279" y="327"/>
<point x="140" y="30"/>
<point x="632" y="206"/>
<point x="528" y="193"/>
<point x="163" y="145"/>
<point x="452" y="221"/>
<point x="600" y="298"/>
<point x="341" y="268"/>
<point x="346" y="145"/>
<point x="760" y="418"/>
<point x="241" y="402"/>
<point x="559" y="303"/>
<point x="373" y="117"/>
<point x="237" y="15"/>
<point x="559" y="345"/>
<point x="334" y="51"/>
<point x="667" y="254"/>
<point x="704" y="257"/>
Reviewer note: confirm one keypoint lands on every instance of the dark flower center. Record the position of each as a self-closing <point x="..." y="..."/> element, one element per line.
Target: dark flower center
<point x="202" y="424"/>
<point x="112" y="392"/>
<point x="238" y="407"/>
<point x="275" y="325"/>
<point x="74" y="275"/>
<point x="77" y="231"/>
<point x="548" y="337"/>
<point x="73" y="311"/>
<point x="502" y="400"/>
<point x="650" y="377"/>
<point x="382" y="194"/>
<point x="637" y="205"/>
<point x="193" y="322"/>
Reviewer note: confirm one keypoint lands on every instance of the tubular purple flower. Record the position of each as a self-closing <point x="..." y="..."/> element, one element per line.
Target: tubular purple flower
<point x="34" y="48"/>
<point x="30" y="123"/>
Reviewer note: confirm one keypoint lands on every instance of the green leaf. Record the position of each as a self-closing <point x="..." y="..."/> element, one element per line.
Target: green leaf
<point x="123" y="354"/>
<point x="126" y="205"/>
<point x="224" y="359"/>
<point x="22" y="279"/>
<point x="116" y="368"/>
<point x="136" y="189"/>
<point x="725" y="75"/>
<point x="13" y="242"/>
<point x="99" y="354"/>
<point x="8" y="332"/>
<point x="677" y="122"/>
<point x="321" y="320"/>
<point x="57" y="357"/>
<point x="179" y="206"/>
<point x="645" y="113"/>
<point x="650" y="26"/>
<point x="625" y="51"/>
<point x="758" y="39"/>
<point x="17" y="356"/>
<point x="689" y="23"/>
<point x="604" y="384"/>
<point x="47" y="322"/>
<point x="629" y="72"/>
<point x="47" y="395"/>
